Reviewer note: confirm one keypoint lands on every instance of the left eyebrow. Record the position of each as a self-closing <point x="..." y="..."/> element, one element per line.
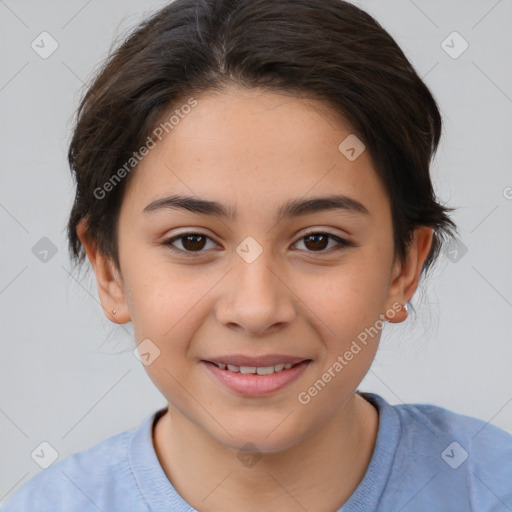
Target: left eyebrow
<point x="293" y="208"/>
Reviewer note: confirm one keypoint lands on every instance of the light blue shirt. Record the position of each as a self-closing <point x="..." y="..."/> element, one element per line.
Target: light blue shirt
<point x="426" y="459"/>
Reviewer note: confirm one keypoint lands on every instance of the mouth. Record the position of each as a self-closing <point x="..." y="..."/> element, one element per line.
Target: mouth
<point x="256" y="370"/>
<point x="259" y="376"/>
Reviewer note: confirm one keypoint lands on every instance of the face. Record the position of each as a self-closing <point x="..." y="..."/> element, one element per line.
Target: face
<point x="262" y="285"/>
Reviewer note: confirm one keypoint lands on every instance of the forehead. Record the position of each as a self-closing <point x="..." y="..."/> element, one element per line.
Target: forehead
<point x="256" y="147"/>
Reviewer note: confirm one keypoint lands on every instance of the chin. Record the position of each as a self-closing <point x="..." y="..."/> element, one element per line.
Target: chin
<point x="260" y="439"/>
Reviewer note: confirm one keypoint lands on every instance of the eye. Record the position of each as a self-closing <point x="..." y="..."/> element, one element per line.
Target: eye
<point x="192" y="242"/>
<point x="316" y="242"/>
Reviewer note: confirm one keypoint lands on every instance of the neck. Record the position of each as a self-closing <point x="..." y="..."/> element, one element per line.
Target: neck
<point x="330" y="463"/>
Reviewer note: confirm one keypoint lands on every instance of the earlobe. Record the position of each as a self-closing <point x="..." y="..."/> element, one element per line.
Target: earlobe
<point x="406" y="275"/>
<point x="109" y="282"/>
<point x="397" y="313"/>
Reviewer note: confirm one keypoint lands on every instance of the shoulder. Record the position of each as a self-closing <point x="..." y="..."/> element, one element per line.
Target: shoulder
<point x="444" y="460"/>
<point x="85" y="480"/>
<point x="472" y="439"/>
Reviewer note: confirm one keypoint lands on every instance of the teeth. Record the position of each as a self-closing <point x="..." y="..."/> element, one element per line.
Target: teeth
<point x="247" y="369"/>
<point x="265" y="370"/>
<point x="260" y="370"/>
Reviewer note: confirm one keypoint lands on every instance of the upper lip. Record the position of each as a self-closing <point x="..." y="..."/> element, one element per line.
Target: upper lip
<point x="258" y="361"/>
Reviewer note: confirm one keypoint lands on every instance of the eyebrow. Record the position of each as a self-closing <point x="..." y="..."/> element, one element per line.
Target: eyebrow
<point x="293" y="208"/>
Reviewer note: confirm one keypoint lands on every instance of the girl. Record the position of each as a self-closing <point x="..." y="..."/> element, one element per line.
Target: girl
<point x="253" y="194"/>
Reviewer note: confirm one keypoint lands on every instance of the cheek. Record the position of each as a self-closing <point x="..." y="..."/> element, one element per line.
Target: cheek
<point x="163" y="304"/>
<point x="351" y="295"/>
<point x="160" y="295"/>
<point x="348" y="306"/>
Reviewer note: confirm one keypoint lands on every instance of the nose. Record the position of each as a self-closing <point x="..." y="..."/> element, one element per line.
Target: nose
<point x="256" y="297"/>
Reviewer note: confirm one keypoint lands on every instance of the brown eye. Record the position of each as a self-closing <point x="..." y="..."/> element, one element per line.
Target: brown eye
<point x="191" y="242"/>
<point x="318" y="242"/>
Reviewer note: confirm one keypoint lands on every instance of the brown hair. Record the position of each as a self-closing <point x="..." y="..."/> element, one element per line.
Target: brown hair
<point x="329" y="50"/>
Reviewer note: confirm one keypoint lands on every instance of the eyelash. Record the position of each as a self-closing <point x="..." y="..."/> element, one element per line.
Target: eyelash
<point x="342" y="243"/>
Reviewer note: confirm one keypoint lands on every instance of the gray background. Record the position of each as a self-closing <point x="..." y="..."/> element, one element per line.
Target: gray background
<point x="69" y="377"/>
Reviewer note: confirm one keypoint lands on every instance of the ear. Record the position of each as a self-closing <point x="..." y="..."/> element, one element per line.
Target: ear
<point x="108" y="278"/>
<point x="405" y="276"/>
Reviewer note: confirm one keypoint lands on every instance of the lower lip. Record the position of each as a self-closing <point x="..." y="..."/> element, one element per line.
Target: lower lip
<point x="256" y="385"/>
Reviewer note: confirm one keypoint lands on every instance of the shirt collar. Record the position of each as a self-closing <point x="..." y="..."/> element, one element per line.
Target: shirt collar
<point x="159" y="494"/>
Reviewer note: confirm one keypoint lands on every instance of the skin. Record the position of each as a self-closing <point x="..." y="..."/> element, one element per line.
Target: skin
<point x="255" y="150"/>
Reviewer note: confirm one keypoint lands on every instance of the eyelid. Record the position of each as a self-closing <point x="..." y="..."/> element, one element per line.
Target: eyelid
<point x="324" y="231"/>
<point x="169" y="242"/>
<point x="341" y="241"/>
